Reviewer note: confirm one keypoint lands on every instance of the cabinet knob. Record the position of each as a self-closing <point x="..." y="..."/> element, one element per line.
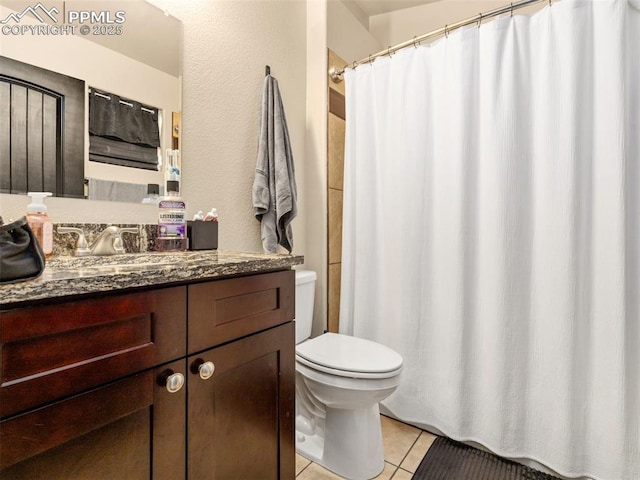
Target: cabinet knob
<point x="202" y="368"/>
<point x="172" y="380"/>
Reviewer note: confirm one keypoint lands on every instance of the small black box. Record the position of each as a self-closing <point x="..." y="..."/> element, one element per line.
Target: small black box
<point x="202" y="235"/>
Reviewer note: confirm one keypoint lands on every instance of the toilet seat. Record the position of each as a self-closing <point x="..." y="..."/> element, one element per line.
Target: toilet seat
<point x="347" y="356"/>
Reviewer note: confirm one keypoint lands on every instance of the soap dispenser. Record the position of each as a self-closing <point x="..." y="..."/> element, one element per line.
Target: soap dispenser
<point x="39" y="222"/>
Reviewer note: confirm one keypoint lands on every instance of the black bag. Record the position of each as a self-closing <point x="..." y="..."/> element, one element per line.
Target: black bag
<point x="21" y="257"/>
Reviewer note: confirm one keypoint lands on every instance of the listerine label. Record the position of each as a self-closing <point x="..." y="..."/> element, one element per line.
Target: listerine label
<point x="172" y="218"/>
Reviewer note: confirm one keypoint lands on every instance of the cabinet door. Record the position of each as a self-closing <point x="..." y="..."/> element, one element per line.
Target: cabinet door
<point x="131" y="429"/>
<point x="240" y="419"/>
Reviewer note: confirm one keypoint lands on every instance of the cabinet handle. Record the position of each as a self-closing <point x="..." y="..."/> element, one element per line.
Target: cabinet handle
<point x="173" y="381"/>
<point x="202" y="368"/>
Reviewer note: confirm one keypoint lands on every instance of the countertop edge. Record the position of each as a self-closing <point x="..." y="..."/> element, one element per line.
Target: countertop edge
<point x="131" y="272"/>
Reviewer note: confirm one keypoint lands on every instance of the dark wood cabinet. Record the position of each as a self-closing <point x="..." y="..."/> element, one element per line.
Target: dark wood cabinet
<point x="84" y="393"/>
<point x="60" y="349"/>
<point x="132" y="428"/>
<point x="240" y="420"/>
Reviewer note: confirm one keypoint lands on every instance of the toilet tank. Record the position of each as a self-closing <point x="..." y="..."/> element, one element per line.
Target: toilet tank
<point x="305" y="292"/>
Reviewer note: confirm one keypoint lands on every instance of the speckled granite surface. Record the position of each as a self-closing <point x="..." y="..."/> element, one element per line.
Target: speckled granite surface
<point x="144" y="241"/>
<point x="66" y="276"/>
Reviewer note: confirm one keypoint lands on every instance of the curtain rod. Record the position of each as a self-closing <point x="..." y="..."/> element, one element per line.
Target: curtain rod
<point x="337" y="73"/>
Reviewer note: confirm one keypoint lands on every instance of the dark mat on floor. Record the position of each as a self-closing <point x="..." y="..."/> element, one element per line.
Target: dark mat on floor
<point x="451" y="460"/>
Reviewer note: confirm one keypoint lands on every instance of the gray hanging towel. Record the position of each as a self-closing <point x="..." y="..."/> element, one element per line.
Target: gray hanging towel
<point x="274" y="185"/>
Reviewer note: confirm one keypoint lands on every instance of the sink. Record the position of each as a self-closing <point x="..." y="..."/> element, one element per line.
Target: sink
<point x="54" y="272"/>
<point x="93" y="266"/>
<point x="73" y="267"/>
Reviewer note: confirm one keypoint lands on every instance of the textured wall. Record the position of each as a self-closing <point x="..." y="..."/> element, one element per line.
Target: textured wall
<point x="226" y="46"/>
<point x="402" y="25"/>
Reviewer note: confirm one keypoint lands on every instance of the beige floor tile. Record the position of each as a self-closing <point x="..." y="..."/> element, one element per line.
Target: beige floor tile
<point x="387" y="473"/>
<point x="315" y="469"/>
<point x="417" y="452"/>
<point x="402" y="475"/>
<point x="301" y="463"/>
<point x="397" y="439"/>
<point x="316" y="472"/>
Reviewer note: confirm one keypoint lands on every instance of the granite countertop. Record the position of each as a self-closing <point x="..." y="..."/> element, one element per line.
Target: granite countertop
<point x="65" y="276"/>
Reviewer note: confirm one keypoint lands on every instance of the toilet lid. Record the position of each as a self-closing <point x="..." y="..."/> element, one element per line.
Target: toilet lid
<point x="343" y="352"/>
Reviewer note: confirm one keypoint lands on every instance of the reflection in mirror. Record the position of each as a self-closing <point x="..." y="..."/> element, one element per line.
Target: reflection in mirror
<point x="128" y="48"/>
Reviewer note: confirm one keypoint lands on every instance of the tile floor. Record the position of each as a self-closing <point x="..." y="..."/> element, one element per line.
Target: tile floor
<point x="404" y="447"/>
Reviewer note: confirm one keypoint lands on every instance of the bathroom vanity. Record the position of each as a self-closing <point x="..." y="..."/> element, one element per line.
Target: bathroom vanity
<point x="150" y="366"/>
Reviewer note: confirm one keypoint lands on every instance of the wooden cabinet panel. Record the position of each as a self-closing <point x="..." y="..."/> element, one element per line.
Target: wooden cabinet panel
<point x="133" y="429"/>
<point x="52" y="351"/>
<point x="119" y="450"/>
<point x="221" y="311"/>
<point x="27" y="435"/>
<point x="83" y="384"/>
<point x="169" y="425"/>
<point x="240" y="421"/>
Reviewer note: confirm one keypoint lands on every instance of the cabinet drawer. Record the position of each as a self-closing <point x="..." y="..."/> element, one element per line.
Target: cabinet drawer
<point x="43" y="429"/>
<point x="132" y="428"/>
<point x="224" y="310"/>
<point x="53" y="351"/>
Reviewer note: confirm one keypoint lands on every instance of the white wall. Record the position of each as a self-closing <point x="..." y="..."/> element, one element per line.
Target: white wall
<point x="402" y="25"/>
<point x="226" y="46"/>
<point x="346" y="35"/>
<point x="316" y="152"/>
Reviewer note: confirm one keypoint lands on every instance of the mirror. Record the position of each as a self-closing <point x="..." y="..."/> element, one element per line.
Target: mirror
<point x="129" y="48"/>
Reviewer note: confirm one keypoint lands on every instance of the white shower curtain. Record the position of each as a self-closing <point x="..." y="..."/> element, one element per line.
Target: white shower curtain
<point x="492" y="233"/>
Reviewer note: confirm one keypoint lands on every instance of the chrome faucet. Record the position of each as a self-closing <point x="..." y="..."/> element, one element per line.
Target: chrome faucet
<point x="109" y="242"/>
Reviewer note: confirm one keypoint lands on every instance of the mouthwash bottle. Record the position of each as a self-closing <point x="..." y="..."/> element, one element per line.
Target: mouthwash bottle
<point x="172" y="220"/>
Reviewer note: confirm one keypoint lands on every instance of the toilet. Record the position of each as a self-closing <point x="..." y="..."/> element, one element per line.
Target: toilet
<point x="339" y="381"/>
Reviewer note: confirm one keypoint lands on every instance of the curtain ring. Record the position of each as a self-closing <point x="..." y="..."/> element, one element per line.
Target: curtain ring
<point x="370" y="61"/>
<point x="446" y="31"/>
<point x="389" y="51"/>
<point x="512" y="9"/>
<point x="414" y="42"/>
<point x="480" y="20"/>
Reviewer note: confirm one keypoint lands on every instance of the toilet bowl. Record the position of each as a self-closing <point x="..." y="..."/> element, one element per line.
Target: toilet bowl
<point x="339" y="381"/>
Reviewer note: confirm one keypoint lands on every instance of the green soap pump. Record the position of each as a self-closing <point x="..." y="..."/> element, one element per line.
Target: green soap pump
<point x="39" y="221"/>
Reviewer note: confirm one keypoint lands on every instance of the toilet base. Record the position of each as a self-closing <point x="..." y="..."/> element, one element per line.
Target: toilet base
<point x="352" y="446"/>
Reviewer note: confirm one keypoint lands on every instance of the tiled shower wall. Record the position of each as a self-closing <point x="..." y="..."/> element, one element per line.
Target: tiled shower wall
<point x="335" y="169"/>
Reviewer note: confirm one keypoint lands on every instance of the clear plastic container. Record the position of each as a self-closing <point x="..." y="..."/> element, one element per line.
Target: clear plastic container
<point x="39" y="221"/>
<point x="172" y="224"/>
